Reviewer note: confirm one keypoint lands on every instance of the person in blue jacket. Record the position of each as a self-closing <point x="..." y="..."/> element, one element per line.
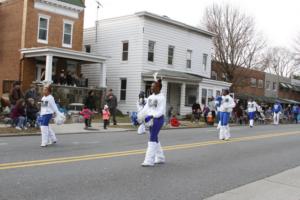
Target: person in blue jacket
<point x="296" y="111"/>
<point x="277" y="109"/>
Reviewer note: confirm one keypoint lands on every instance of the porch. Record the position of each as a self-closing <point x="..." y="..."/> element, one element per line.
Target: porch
<point x="71" y="73"/>
<point x="181" y="89"/>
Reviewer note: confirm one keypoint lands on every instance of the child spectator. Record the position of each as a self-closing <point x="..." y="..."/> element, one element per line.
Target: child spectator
<point x="105" y="116"/>
<point x="18" y="115"/>
<point x="31" y="112"/>
<point x="86" y="113"/>
<point x="174" y="122"/>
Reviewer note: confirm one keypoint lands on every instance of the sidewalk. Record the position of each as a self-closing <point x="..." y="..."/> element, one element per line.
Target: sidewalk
<point x="283" y="186"/>
<point x="74" y="128"/>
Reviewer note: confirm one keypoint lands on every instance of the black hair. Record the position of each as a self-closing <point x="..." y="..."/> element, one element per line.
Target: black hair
<point x="159" y="82"/>
<point x="226" y="91"/>
<point x="142" y="94"/>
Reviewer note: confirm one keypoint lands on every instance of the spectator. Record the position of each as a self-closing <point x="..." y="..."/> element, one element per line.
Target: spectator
<point x="82" y="81"/>
<point x="62" y="78"/>
<point x="169" y="114"/>
<point x="174" y="122"/>
<point x="212" y="107"/>
<point x="196" y="111"/>
<point x="16" y="93"/>
<point x="105" y="116"/>
<point x="69" y="79"/>
<point x="87" y="114"/>
<point x="31" y="112"/>
<point x="111" y="101"/>
<point x="90" y="103"/>
<point x="18" y="115"/>
<point x="205" y="113"/>
<point x="296" y="111"/>
<point x="31" y="93"/>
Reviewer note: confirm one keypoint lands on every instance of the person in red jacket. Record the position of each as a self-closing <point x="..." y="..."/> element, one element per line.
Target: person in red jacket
<point x="87" y="114"/>
<point x="105" y="116"/>
<point x="18" y="115"/>
<point x="174" y="122"/>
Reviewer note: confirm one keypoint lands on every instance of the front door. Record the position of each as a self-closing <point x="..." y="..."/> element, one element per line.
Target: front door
<point x="173" y="97"/>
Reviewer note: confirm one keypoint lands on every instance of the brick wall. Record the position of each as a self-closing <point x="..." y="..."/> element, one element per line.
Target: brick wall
<point x="10" y="40"/>
<point x="55" y="34"/>
<point x="242" y="78"/>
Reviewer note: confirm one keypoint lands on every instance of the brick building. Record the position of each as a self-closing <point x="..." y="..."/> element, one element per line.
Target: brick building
<point x="263" y="87"/>
<point x="40" y="39"/>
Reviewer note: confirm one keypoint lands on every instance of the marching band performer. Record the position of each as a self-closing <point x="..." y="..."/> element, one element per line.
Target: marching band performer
<point x="226" y="107"/>
<point x="153" y="114"/>
<point x="218" y="105"/>
<point x="277" y="109"/>
<point x="252" y="107"/>
<point x="48" y="108"/>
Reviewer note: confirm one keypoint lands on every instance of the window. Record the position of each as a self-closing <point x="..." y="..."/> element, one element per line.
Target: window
<point x="214" y="75"/>
<point x="224" y="77"/>
<point x="170" y="55"/>
<point x="125" y="51"/>
<point x="260" y="84"/>
<point x="67" y="34"/>
<point x="7" y="85"/>
<point x="274" y="86"/>
<point x="204" y="96"/>
<point x="191" y="94"/>
<point x="253" y="82"/>
<point x="218" y="93"/>
<point x="268" y="85"/>
<point x="204" y="62"/>
<point x="151" y="45"/>
<point x="210" y="93"/>
<point x="43" y="27"/>
<point x="123" y="89"/>
<point x="87" y="48"/>
<point x="189" y="59"/>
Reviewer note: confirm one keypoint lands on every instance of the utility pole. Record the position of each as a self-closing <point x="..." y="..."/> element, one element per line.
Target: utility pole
<point x="98" y="7"/>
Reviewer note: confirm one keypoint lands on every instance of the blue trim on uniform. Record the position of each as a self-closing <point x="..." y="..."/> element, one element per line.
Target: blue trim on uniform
<point x="45" y="119"/>
<point x="251" y="115"/>
<point x="224" y="118"/>
<point x="155" y="128"/>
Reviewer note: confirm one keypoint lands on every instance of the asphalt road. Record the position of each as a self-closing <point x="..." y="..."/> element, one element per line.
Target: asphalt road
<point x="106" y="166"/>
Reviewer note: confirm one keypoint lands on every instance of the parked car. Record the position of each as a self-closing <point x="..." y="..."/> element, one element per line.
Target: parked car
<point x="75" y="108"/>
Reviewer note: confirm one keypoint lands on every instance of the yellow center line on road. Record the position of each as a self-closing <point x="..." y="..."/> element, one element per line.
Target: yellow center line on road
<point x="61" y="160"/>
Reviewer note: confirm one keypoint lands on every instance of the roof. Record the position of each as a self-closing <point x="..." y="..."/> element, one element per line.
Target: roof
<point x="177" y="75"/>
<point x="62" y="53"/>
<point x="174" y="22"/>
<point x="73" y="2"/>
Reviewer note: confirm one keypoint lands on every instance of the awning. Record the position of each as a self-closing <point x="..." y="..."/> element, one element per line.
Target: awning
<point x="289" y="101"/>
<point x="284" y="85"/>
<point x="296" y="88"/>
<point x="265" y="99"/>
<point x="173" y="75"/>
<point x="62" y="53"/>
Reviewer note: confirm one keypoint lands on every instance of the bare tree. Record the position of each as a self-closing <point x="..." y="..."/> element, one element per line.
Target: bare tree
<point x="237" y="44"/>
<point x="280" y="61"/>
<point x="297" y="50"/>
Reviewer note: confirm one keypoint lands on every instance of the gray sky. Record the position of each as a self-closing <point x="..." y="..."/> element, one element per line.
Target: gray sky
<point x="278" y="20"/>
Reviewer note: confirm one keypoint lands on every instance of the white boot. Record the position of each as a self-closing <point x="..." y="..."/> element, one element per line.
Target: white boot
<point x="159" y="156"/>
<point x="227" y="132"/>
<point x="221" y="133"/>
<point x="45" y="135"/>
<point x="52" y="138"/>
<point x="150" y="155"/>
<point x="219" y="125"/>
<point x="251" y="123"/>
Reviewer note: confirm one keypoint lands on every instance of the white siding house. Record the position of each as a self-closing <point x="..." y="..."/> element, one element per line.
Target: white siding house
<point x="144" y="43"/>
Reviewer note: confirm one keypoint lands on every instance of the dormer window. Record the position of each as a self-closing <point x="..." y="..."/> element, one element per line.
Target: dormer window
<point x="67" y="34"/>
<point x="43" y="29"/>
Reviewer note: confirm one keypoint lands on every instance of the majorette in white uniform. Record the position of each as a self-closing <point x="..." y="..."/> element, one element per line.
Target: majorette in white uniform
<point x="48" y="108"/>
<point x="226" y="107"/>
<point x="252" y="107"/>
<point x="155" y="107"/>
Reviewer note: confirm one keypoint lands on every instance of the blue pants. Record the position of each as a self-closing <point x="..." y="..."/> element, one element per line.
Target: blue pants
<point x="45" y="119"/>
<point x="21" y="121"/>
<point x="224" y="118"/>
<point x="218" y="116"/>
<point x="155" y="128"/>
<point x="251" y="115"/>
